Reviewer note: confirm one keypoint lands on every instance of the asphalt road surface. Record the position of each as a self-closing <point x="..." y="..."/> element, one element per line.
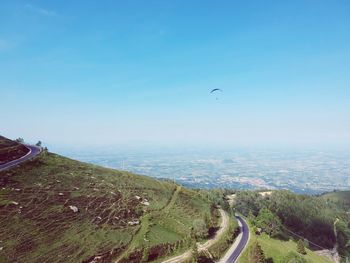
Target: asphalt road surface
<point x="237" y="248"/>
<point x="33" y="151"/>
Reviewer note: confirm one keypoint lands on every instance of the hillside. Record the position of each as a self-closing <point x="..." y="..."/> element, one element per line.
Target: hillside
<point x="277" y="250"/>
<point x="282" y="218"/>
<point x="10" y="150"/>
<point x="54" y="209"/>
<point x="340" y="197"/>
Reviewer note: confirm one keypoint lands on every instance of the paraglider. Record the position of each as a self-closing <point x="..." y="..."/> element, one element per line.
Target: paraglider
<point x="215" y="90"/>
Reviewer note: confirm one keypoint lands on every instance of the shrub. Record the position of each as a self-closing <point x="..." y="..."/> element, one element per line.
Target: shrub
<point x="256" y="254"/>
<point x="293" y="257"/>
<point x="301" y="247"/>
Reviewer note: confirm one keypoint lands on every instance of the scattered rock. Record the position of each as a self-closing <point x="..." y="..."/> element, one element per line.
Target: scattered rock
<point x="96" y="259"/>
<point x="74" y="208"/>
<point x="17" y="189"/>
<point x="145" y="203"/>
<point x="137" y="197"/>
<point x="1" y="248"/>
<point x="60" y="194"/>
<point x="134" y="222"/>
<point x="58" y="181"/>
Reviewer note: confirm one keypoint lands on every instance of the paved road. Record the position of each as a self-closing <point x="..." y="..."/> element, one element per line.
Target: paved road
<point x="33" y="151"/>
<point x="241" y="241"/>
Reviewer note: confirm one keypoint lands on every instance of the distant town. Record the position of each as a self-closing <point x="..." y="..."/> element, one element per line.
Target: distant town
<point x="309" y="172"/>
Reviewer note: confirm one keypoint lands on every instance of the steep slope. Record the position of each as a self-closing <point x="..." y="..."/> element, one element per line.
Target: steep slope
<point x="54" y="209"/>
<point x="10" y="150"/>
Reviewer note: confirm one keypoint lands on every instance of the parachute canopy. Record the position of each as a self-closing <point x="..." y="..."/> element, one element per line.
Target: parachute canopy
<point x="213" y="90"/>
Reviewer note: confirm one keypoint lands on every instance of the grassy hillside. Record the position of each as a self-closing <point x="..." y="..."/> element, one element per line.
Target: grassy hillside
<point x="276" y="250"/>
<point x="323" y="223"/>
<point x="10" y="150"/>
<point x="120" y="215"/>
<point x="340" y="197"/>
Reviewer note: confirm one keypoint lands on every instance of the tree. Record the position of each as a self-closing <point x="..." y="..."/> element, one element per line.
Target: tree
<point x="20" y="140"/>
<point x="268" y="222"/>
<point x="343" y="238"/>
<point x="256" y="254"/>
<point x="195" y="253"/>
<point x="145" y="254"/>
<point x="38" y="143"/>
<point x="301" y="247"/>
<point x="207" y="220"/>
<point x="249" y="201"/>
<point x="251" y="217"/>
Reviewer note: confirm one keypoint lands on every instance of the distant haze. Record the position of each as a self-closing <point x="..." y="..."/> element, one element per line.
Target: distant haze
<point x="299" y="170"/>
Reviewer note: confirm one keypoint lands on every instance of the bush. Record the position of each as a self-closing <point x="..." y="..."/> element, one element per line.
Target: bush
<point x="301" y="247"/>
<point x="268" y="222"/>
<point x="256" y="254"/>
<point x="20" y="140"/>
<point x="293" y="257"/>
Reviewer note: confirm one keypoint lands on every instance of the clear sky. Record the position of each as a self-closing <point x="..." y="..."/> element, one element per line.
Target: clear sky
<point x="87" y="72"/>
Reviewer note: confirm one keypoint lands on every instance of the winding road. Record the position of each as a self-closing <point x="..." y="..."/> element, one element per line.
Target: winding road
<point x="234" y="251"/>
<point x="238" y="246"/>
<point x="33" y="151"/>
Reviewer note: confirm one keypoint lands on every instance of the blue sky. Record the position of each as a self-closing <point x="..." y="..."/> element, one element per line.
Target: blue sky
<point x="89" y="73"/>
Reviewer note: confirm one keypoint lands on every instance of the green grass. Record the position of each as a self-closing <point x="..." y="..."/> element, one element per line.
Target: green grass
<point x="276" y="250"/>
<point x="340" y="197"/>
<point x="42" y="227"/>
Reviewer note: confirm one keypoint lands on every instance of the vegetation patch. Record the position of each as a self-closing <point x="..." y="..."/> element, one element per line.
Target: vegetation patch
<point x="56" y="209"/>
<point x="276" y="250"/>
